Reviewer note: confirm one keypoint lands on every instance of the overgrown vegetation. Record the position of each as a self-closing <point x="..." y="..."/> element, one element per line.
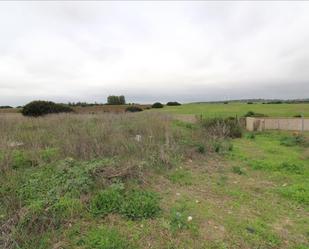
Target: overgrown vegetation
<point x="145" y="180"/>
<point x="157" y="105"/>
<point x="222" y="127"/>
<point x="133" y="109"/>
<point x="40" y="108"/>
<point x="173" y="103"/>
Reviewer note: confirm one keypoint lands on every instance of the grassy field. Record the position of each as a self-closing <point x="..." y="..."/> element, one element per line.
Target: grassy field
<point x="240" y="109"/>
<point x="117" y="181"/>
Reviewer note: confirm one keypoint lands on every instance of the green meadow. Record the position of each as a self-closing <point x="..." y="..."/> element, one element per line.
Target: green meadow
<point x="239" y="109"/>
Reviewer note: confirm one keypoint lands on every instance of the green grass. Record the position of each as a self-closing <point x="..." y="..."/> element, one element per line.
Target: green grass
<point x="239" y="109"/>
<point x="249" y="192"/>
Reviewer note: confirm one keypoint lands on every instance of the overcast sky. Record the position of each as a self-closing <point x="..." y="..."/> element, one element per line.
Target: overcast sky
<point x="148" y="51"/>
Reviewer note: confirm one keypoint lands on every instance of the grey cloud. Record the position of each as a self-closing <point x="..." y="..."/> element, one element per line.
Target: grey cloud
<point x="186" y="51"/>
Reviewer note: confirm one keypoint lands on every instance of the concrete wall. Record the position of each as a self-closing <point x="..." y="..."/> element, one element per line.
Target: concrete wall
<point x="292" y="124"/>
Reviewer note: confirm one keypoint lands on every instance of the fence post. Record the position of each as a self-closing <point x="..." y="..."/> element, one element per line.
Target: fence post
<point x="302" y="123"/>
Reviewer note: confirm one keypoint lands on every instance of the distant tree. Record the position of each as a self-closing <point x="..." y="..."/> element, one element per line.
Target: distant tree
<point x="122" y="100"/>
<point x="172" y="103"/>
<point x="5" y="107"/>
<point x="116" y="100"/>
<point x="157" y="105"/>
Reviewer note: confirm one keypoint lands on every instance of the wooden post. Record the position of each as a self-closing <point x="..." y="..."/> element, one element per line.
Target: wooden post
<point x="302" y="123"/>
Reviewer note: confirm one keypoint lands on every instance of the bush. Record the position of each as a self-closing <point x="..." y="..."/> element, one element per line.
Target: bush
<point x="294" y="141"/>
<point x="254" y="114"/>
<point x="249" y="103"/>
<point x="139" y="204"/>
<point x="133" y="109"/>
<point x="173" y="103"/>
<point x="40" y="107"/>
<point x="107" y="201"/>
<point x="106" y="238"/>
<point x="157" y="105"/>
<point x="223" y="127"/>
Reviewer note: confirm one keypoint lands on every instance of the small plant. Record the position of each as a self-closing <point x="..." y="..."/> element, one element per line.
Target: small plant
<point x="133" y="109"/>
<point x="294" y="140"/>
<point x="106" y="238"/>
<point x="250" y="135"/>
<point x="178" y="220"/>
<point x="200" y="148"/>
<point x="139" y="204"/>
<point x="297" y="192"/>
<point x="20" y="160"/>
<point x="107" y="201"/>
<point x="173" y="103"/>
<point x="182" y="177"/>
<point x="291" y="167"/>
<point x="254" y="114"/>
<point x="157" y="105"/>
<point x="49" y="154"/>
<point x="238" y="170"/>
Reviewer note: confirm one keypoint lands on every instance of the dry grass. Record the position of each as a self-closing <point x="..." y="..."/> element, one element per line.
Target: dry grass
<point x="85" y="137"/>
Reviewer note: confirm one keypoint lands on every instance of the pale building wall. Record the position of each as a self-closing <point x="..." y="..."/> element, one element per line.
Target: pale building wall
<point x="293" y="124"/>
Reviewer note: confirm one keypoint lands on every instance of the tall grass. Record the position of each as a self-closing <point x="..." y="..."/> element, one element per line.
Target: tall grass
<point x="86" y="137"/>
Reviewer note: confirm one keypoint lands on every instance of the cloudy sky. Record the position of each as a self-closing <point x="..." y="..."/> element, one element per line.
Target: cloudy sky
<point x="184" y="51"/>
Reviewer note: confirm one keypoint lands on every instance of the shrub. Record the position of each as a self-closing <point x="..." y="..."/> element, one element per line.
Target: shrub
<point x="294" y="140"/>
<point x="139" y="204"/>
<point x="297" y="116"/>
<point x="223" y="127"/>
<point x="133" y="109"/>
<point x="40" y="107"/>
<point x="157" y="105"/>
<point x="171" y="103"/>
<point x="254" y="114"/>
<point x="249" y="103"/>
<point x="107" y="201"/>
<point x="106" y="238"/>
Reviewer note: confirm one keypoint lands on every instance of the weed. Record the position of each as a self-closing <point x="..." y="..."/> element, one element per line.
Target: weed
<point x="181" y="176"/>
<point x="20" y="160"/>
<point x="106" y="238"/>
<point x="291" y="167"/>
<point x="201" y="148"/>
<point x="49" y="154"/>
<point x="238" y="170"/>
<point x="298" y="192"/>
<point x="294" y="141"/>
<point x="107" y="201"/>
<point x="250" y="135"/>
<point x="139" y="204"/>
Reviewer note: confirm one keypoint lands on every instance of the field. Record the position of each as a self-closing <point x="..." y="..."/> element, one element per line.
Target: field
<point x="239" y="109"/>
<point x="145" y="180"/>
